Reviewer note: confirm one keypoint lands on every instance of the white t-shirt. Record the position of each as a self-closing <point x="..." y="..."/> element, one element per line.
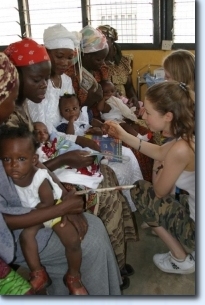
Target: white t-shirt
<point x="81" y="125"/>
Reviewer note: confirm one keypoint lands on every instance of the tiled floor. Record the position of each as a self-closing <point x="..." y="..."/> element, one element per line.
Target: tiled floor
<point x="148" y="279"/>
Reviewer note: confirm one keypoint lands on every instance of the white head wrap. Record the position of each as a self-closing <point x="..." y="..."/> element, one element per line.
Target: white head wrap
<point x="93" y="40"/>
<point x="58" y="37"/>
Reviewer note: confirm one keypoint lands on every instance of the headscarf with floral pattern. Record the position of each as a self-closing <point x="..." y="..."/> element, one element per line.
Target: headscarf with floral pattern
<point x="8" y="77"/>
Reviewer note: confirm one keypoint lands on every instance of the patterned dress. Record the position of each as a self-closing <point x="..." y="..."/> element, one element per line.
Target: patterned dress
<point x="118" y="74"/>
<point x="20" y="116"/>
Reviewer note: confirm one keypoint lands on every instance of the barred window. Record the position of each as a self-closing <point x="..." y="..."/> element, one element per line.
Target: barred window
<point x="184" y="21"/>
<point x="141" y="24"/>
<point x="9" y="22"/>
<point x="133" y="19"/>
<point x="46" y="13"/>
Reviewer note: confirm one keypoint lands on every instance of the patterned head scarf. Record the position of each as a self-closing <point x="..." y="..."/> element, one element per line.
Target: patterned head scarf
<point x="26" y="52"/>
<point x="92" y="40"/>
<point x="108" y="31"/>
<point x="58" y="37"/>
<point x="8" y="77"/>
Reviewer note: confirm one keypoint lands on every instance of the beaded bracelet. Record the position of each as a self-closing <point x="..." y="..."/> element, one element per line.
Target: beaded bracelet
<point x="140" y="145"/>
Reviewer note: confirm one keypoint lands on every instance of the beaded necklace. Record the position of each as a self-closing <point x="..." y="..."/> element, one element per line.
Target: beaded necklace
<point x="59" y="84"/>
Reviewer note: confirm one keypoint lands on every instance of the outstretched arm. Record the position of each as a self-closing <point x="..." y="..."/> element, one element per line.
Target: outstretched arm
<point x="103" y="107"/>
<point x="93" y="96"/>
<point x="153" y="151"/>
<point x="75" y="159"/>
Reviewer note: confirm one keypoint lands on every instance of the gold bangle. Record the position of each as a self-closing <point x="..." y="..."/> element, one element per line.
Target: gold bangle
<point x="140" y="145"/>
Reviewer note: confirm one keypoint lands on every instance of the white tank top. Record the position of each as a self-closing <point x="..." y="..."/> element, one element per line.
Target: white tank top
<point x="29" y="195"/>
<point x="186" y="181"/>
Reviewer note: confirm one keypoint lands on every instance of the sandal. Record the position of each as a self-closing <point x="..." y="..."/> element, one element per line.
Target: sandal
<point x="70" y="280"/>
<point x="127" y="270"/>
<point x="39" y="279"/>
<point x="125" y="283"/>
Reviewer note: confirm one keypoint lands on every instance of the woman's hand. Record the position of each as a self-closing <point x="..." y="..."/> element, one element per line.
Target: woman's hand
<point x="114" y="130"/>
<point x="95" y="131"/>
<point x="133" y="102"/>
<point x="79" y="158"/>
<point x="94" y="96"/>
<point x="96" y="123"/>
<point x="80" y="223"/>
<point x="140" y="112"/>
<point x="86" y="142"/>
<point x="72" y="203"/>
<point x="75" y="159"/>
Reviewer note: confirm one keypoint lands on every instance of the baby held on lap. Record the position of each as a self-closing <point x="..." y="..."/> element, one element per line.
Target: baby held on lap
<point x="54" y="145"/>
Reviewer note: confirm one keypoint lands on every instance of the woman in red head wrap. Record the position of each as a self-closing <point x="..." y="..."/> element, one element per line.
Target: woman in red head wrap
<point x="33" y="65"/>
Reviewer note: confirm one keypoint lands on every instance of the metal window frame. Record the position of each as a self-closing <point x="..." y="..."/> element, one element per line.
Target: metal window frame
<point x="167" y="25"/>
<point x="156" y="45"/>
<point x="21" y="22"/>
<point x="162" y="16"/>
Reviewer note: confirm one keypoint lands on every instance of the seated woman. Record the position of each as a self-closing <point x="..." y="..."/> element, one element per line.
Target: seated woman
<point x="117" y="223"/>
<point x="94" y="49"/>
<point x="99" y="269"/>
<point x="119" y="66"/>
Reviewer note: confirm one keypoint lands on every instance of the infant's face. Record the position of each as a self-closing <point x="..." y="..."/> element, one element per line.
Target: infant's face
<point x="108" y="90"/>
<point x="70" y="108"/>
<point x="41" y="132"/>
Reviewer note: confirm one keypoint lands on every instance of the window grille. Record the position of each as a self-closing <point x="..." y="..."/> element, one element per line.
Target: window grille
<point x="10" y="29"/>
<point x="133" y="19"/>
<point x="142" y="22"/>
<point x="49" y="12"/>
<point x="184" y="21"/>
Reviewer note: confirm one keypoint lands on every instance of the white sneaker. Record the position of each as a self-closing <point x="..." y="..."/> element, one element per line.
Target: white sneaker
<point x="193" y="254"/>
<point x="167" y="263"/>
<point x="161" y="256"/>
